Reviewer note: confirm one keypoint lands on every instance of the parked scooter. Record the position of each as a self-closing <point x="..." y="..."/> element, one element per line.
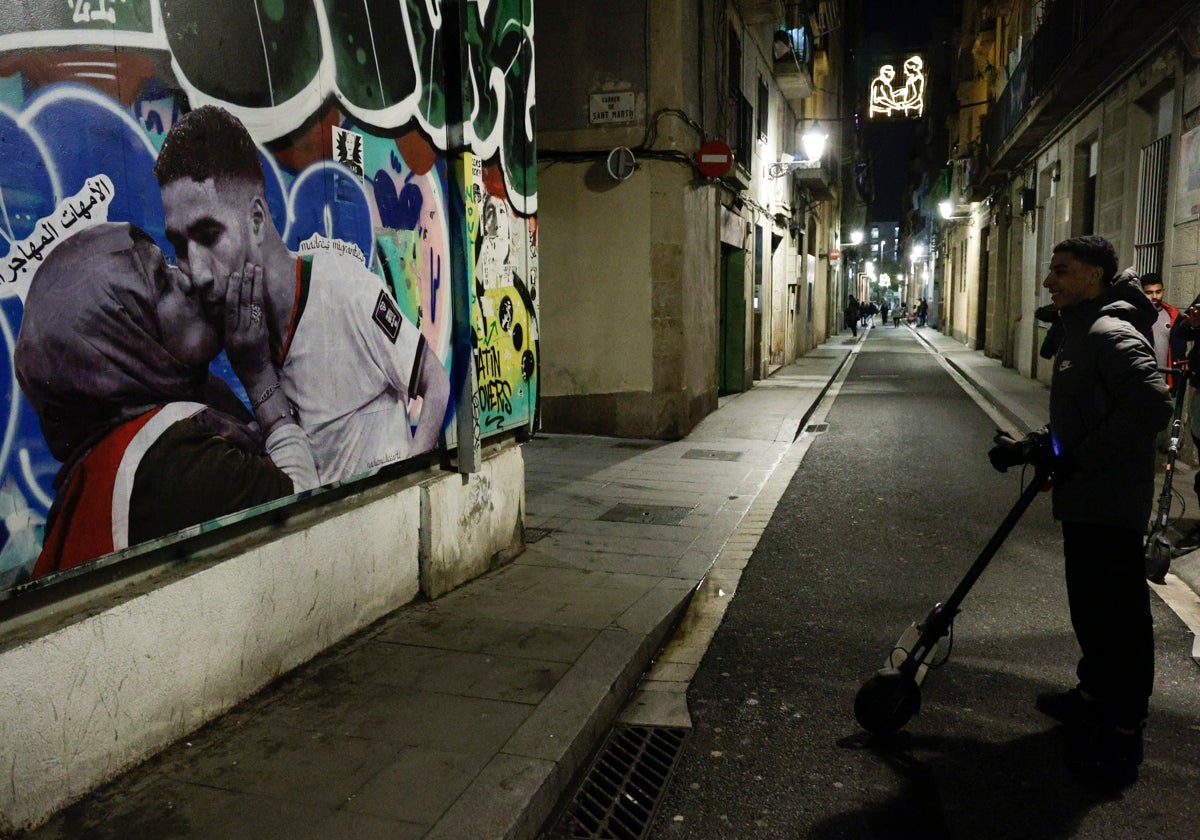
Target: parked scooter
<point x="1161" y="540"/>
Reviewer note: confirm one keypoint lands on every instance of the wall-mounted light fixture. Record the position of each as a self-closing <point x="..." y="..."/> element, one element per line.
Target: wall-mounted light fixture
<point x="856" y="238"/>
<point x="812" y="144"/>
<point x="952" y="213"/>
<point x="1028" y="200"/>
<point x="813" y="141"/>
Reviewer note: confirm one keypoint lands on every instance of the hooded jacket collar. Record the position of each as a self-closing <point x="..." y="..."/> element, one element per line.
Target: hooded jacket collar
<point x="1122" y="298"/>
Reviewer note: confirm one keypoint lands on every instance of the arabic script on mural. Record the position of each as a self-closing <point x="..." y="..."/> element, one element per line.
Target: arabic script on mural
<point x="87" y="207"/>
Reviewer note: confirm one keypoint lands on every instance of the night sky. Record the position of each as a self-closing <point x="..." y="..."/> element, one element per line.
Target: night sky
<point x="892" y="30"/>
<point x="890" y="145"/>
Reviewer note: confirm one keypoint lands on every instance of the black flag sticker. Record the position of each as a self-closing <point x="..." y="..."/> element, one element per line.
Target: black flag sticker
<point x="387" y="316"/>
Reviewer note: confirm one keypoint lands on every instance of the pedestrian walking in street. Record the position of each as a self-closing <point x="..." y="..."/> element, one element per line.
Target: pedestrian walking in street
<point x="883" y="314"/>
<point x="851" y="315"/>
<point x="1107" y="403"/>
<point x="871" y="309"/>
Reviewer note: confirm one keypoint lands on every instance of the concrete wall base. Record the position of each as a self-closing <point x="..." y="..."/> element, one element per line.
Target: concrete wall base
<point x="471" y="524"/>
<point x="651" y="415"/>
<point x="91" y="688"/>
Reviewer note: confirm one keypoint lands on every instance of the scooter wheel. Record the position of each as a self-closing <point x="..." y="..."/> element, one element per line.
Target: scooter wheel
<point x="1158" y="560"/>
<point x="886" y="701"/>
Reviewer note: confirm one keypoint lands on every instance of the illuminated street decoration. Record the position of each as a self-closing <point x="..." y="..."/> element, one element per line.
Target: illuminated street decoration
<point x="908" y="99"/>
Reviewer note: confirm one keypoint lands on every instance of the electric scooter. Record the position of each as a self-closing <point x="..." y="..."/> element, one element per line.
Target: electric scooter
<point x="1160" y="545"/>
<point x="891" y="696"/>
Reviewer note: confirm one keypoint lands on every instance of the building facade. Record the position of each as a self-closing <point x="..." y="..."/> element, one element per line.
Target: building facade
<point x="669" y="279"/>
<point x="1073" y="117"/>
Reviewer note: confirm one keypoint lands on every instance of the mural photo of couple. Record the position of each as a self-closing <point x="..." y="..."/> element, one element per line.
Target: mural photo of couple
<point x="223" y="323"/>
<point x="104" y="405"/>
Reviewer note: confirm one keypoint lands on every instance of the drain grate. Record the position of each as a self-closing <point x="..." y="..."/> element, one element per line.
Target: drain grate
<point x="637" y="444"/>
<point x="645" y="514"/>
<point x="620" y="793"/>
<point x="816" y="428"/>
<point x="711" y="455"/>
<point x="532" y="535"/>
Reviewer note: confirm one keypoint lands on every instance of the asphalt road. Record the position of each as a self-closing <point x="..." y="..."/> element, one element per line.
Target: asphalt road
<point x="888" y="509"/>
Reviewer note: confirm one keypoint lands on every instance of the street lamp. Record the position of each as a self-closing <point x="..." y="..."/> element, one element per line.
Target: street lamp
<point x="949" y="212"/>
<point x="812" y="144"/>
<point x="916" y="257"/>
<point x="856" y="238"/>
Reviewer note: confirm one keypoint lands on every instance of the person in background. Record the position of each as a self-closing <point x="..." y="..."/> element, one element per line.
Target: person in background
<point x="1187" y="330"/>
<point x="1108" y="401"/>
<point x="851" y="314"/>
<point x="868" y="312"/>
<point x="1168" y="316"/>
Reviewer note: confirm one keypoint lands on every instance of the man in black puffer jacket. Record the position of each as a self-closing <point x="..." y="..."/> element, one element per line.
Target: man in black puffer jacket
<point x="1107" y="404"/>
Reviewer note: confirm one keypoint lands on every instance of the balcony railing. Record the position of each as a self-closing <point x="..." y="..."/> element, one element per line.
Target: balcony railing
<point x="817" y="178"/>
<point x="792" y="52"/>
<point x="1077" y="46"/>
<point x="1062" y="30"/>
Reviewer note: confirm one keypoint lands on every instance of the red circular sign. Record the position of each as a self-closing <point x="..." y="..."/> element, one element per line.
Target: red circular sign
<point x="835" y="254"/>
<point x="714" y="158"/>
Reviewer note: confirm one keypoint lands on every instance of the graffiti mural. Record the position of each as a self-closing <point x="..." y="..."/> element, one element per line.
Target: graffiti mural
<point x="344" y="240"/>
<point x="504" y="293"/>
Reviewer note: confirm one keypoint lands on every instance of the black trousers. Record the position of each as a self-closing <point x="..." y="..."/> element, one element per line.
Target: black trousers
<point x="1110" y="611"/>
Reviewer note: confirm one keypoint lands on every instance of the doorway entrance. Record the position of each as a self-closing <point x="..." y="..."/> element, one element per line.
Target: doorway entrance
<point x="731" y="340"/>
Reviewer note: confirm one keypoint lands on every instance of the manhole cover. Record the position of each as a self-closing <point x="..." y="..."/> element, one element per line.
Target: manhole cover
<point x="620" y="793"/>
<point x="645" y="514"/>
<point x="712" y="455"/>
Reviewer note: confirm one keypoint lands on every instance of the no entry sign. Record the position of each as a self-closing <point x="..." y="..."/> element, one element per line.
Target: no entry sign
<point x="714" y="158"/>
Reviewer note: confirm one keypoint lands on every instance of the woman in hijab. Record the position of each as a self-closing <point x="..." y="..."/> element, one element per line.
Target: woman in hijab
<point x="113" y="355"/>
